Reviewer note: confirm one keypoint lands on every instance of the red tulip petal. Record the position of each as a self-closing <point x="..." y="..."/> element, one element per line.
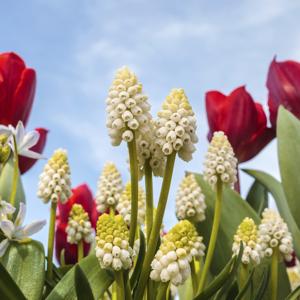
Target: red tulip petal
<point x="26" y="163"/>
<point x="283" y="83"/>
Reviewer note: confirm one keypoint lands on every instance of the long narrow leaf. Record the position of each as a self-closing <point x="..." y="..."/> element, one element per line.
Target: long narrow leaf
<point x="245" y="287"/>
<point x="294" y="295"/>
<point x="257" y="197"/>
<point x="261" y="290"/>
<point x="82" y="286"/>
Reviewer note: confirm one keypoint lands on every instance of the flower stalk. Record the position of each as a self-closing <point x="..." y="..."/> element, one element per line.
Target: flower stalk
<point x="214" y="234"/>
<point x="134" y="188"/>
<point x="154" y="236"/>
<point x="80" y="251"/>
<point x="120" y="285"/>
<point x="12" y="199"/>
<point x="274" y="274"/>
<point x="149" y="198"/>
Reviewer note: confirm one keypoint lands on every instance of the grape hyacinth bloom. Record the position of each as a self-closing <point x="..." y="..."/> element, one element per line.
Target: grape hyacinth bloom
<point x="247" y="234"/>
<point x="124" y="205"/>
<point x="79" y="226"/>
<point x="274" y="233"/>
<point x="220" y="161"/>
<point x="127" y="107"/>
<point x="16" y="231"/>
<point x="190" y="202"/>
<point x="176" y="126"/>
<point x="55" y="184"/>
<point x="179" y="246"/>
<point x="109" y="188"/>
<point x="112" y="243"/>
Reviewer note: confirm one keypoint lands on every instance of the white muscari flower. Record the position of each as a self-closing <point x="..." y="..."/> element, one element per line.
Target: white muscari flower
<point x="124" y="205"/>
<point x="112" y="243"/>
<point x="172" y="260"/>
<point x="15" y="231"/>
<point x="109" y="188"/>
<point x="79" y="226"/>
<point x="247" y="234"/>
<point x="20" y="141"/>
<point x="6" y="209"/>
<point x="148" y="149"/>
<point x="274" y="233"/>
<point x="55" y="183"/>
<point x="127" y="107"/>
<point x="190" y="201"/>
<point x="176" y="126"/>
<point x="220" y="161"/>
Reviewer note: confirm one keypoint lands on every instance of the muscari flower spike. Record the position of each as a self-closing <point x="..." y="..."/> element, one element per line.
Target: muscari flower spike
<point x="274" y="233"/>
<point x="124" y="205"/>
<point x="127" y="107"/>
<point x="79" y="226"/>
<point x="148" y="149"/>
<point x="176" y="126"/>
<point x="179" y="246"/>
<point x="190" y="201"/>
<point x="16" y="231"/>
<point x="109" y="188"/>
<point x="55" y="183"/>
<point x="220" y="161"/>
<point x="112" y="243"/>
<point x="248" y="235"/>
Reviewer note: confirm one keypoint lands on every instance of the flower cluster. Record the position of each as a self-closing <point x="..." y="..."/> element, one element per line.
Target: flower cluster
<point x="176" y="126"/>
<point x="178" y="247"/>
<point x="148" y="149"/>
<point x="79" y="226"/>
<point x="55" y="181"/>
<point x="109" y="188"/>
<point x="112" y="243"/>
<point x="220" y="162"/>
<point x="124" y="205"/>
<point x="274" y="233"/>
<point x="190" y="202"/>
<point x="247" y="234"/>
<point x="127" y="107"/>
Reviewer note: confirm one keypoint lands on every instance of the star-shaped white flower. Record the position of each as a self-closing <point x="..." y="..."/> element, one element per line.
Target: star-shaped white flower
<point x="5" y="209"/>
<point x="20" y="141"/>
<point x="16" y="231"/>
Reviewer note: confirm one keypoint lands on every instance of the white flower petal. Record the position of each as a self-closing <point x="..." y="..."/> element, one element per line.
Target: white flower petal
<point x="30" y="154"/>
<point x="6" y="208"/>
<point x="21" y="215"/>
<point x="8" y="228"/>
<point x="33" y="227"/>
<point x="19" y="133"/>
<point x="3" y="247"/>
<point x="29" y="140"/>
<point x="5" y="130"/>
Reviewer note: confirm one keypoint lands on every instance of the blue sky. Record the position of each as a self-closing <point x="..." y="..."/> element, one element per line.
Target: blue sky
<point x="75" y="47"/>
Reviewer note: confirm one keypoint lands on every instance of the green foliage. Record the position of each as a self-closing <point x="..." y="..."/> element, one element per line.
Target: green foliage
<point x="257" y="197"/>
<point x="98" y="279"/>
<point x="26" y="265"/>
<point x="82" y="286"/>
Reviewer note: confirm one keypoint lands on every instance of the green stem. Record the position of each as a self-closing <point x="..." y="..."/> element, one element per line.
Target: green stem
<point x="155" y="232"/>
<point x="12" y="199"/>
<point x="194" y="277"/>
<point x="80" y="253"/>
<point x="51" y="234"/>
<point x="111" y="211"/>
<point x="213" y="237"/>
<point x="162" y="291"/>
<point x="120" y="285"/>
<point x="149" y="198"/>
<point x="134" y="189"/>
<point x="274" y="274"/>
<point x="243" y="275"/>
<point x="128" y="291"/>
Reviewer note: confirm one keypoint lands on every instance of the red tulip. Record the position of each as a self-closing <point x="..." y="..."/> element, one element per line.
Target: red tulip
<point x="26" y="163"/>
<point x="243" y="121"/>
<point x="81" y="195"/>
<point x="283" y="83"/>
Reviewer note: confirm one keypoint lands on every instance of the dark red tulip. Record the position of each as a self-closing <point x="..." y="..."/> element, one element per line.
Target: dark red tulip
<point x="283" y="83"/>
<point x="17" y="89"/>
<point x="26" y="163"/>
<point x="81" y="195"/>
<point x="242" y="120"/>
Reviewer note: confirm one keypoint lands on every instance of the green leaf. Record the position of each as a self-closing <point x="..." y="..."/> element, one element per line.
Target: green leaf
<point x="26" y="265"/>
<point x="138" y="266"/>
<point x="8" y="288"/>
<point x="99" y="280"/>
<point x="257" y="197"/>
<point x="294" y="295"/>
<point x="82" y="286"/>
<point x="275" y="188"/>
<point x="262" y="287"/>
<point x="6" y="179"/>
<point x="185" y="290"/>
<point x="245" y="287"/>
<point x="288" y="140"/>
